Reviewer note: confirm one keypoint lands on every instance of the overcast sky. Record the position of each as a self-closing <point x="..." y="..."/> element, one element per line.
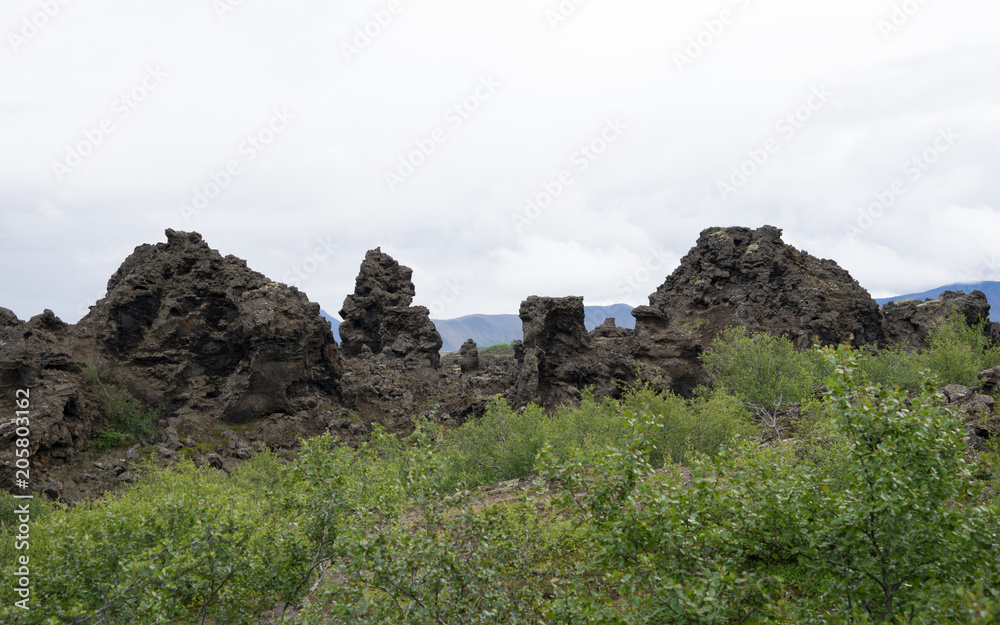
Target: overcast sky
<point x="299" y="134"/>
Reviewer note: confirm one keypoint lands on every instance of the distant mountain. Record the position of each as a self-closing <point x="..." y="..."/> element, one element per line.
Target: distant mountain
<point x="334" y="324"/>
<point x="488" y="330"/>
<point x="991" y="289"/>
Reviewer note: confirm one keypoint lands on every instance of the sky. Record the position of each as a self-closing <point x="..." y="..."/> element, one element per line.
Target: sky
<point x="499" y="149"/>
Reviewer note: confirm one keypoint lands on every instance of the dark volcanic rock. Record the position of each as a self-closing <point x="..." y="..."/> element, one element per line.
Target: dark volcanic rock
<point x="907" y="323"/>
<point x="554" y="334"/>
<point x="750" y="278"/>
<point x="559" y="358"/>
<point x="199" y="332"/>
<point x="8" y="318"/>
<point x="609" y="330"/>
<point x="468" y="357"/>
<point x="42" y="358"/>
<point x="990" y="378"/>
<point x="379" y="315"/>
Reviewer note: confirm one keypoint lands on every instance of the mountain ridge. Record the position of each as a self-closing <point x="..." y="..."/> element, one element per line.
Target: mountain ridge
<point x="487" y="329"/>
<point x="497" y="329"/>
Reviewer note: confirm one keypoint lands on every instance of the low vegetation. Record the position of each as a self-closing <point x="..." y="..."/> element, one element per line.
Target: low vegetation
<point x="496" y="347"/>
<point x="647" y="509"/>
<point x="128" y="420"/>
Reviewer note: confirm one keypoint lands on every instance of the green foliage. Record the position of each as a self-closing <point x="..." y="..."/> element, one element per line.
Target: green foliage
<point x="958" y="351"/>
<point x="896" y="534"/>
<point x="891" y="367"/>
<point x="659" y="550"/>
<point x="898" y="539"/>
<point x="704" y="425"/>
<point x="451" y="564"/>
<point x="502" y="445"/>
<point x="496" y="347"/>
<point x="649" y="509"/>
<point x="762" y="371"/>
<point x="334" y="488"/>
<point x="127" y="419"/>
<point x="824" y="445"/>
<point x="182" y="546"/>
<point x="41" y="507"/>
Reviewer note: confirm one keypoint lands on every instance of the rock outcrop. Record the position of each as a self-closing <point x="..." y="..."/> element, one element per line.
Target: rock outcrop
<point x="558" y="357"/>
<point x="751" y="278"/>
<point x="43" y="358"/>
<point x="554" y="336"/>
<point x="990" y="379"/>
<point x="908" y="322"/>
<point x="235" y="362"/>
<point x="379" y="315"/>
<point x="468" y="357"/>
<point x="203" y="333"/>
<point x="392" y="347"/>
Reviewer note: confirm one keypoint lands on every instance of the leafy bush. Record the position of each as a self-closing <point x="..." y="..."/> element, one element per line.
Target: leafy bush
<point x="127" y="419"/>
<point x="451" y="563"/>
<point x="762" y="371"/>
<point x="704" y="425"/>
<point x="891" y="367"/>
<point x="182" y="546"/>
<point x="898" y="536"/>
<point x="958" y="351"/>
<point x="659" y="550"/>
<point x="496" y="347"/>
<point x="502" y="445"/>
<point x="900" y="539"/>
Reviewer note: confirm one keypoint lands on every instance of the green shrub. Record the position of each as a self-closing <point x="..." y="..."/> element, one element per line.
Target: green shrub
<point x="897" y="534"/>
<point x="958" y="351"/>
<point x="502" y="445"/>
<point x="891" y="367"/>
<point x="705" y="424"/>
<point x="452" y="563"/>
<point x="901" y="539"/>
<point x="762" y="371"/>
<point x="496" y="347"/>
<point x="182" y="546"/>
<point x="658" y="550"/>
<point x="127" y="420"/>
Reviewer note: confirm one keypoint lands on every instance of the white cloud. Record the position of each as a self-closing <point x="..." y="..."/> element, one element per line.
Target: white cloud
<point x="656" y="186"/>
